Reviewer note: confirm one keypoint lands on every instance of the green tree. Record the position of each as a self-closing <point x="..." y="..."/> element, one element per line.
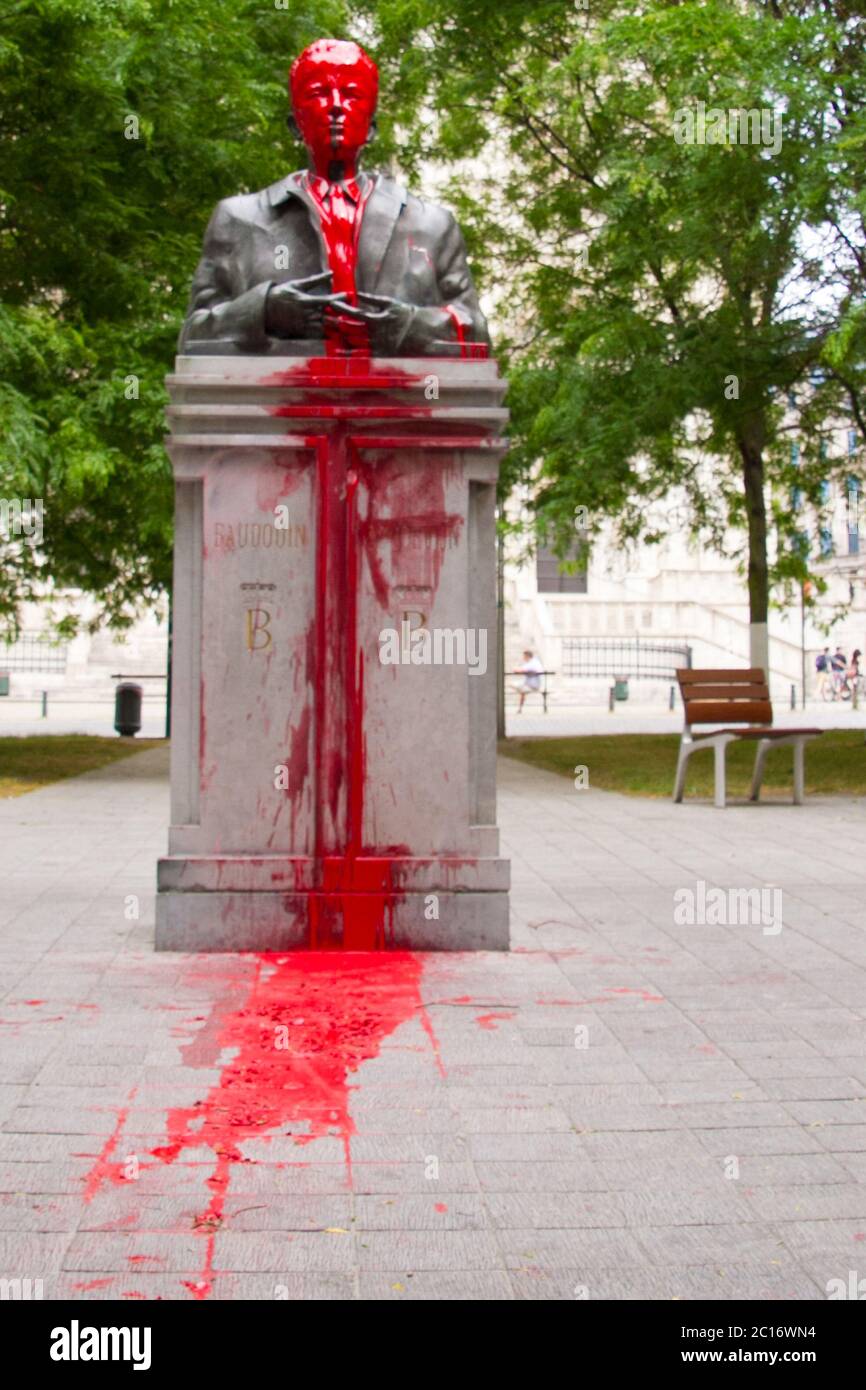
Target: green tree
<point x="121" y="124"/>
<point x="676" y="314"/>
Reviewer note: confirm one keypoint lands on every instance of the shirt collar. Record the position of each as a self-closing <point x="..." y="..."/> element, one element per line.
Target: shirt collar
<point x="321" y="188"/>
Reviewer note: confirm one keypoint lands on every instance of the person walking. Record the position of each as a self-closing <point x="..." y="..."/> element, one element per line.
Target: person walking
<point x="822" y="666"/>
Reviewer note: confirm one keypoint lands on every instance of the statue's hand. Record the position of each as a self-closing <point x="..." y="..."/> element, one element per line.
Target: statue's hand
<point x="296" y="308"/>
<point x="389" y="321"/>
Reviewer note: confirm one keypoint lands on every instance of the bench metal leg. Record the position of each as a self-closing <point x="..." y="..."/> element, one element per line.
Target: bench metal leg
<point x="799" y="747"/>
<point x="799" y="772"/>
<point x="758" y="774"/>
<point x="719" y="755"/>
<point x="682" y="764"/>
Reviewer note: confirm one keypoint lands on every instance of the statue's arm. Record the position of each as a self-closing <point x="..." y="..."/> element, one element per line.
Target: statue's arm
<point x="216" y="309"/>
<point x="457" y="317"/>
<point x="456" y="287"/>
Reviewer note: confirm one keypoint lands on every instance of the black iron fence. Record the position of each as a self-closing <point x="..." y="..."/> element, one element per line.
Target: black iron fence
<point x="628" y="658"/>
<point x="33" y="651"/>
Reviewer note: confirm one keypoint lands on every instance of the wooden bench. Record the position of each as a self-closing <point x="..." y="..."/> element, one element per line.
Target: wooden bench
<point x="735" y="698"/>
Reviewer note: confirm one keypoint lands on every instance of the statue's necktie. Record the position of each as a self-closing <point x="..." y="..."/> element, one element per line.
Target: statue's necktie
<point x="340" y="208"/>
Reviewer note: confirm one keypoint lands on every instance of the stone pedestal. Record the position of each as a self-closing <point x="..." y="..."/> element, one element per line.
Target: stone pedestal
<point x="334" y="656"/>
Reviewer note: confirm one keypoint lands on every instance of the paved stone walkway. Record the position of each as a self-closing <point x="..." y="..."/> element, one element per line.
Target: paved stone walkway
<point x="630" y="1104"/>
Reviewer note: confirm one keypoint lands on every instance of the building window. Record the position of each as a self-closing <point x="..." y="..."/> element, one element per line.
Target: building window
<point x="854" y="504"/>
<point x="550" y="578"/>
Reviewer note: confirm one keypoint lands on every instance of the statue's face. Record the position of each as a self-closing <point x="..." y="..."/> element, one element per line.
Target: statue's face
<point x="334" y="99"/>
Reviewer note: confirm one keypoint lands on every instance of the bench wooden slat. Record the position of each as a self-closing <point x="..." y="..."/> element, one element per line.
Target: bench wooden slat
<point x="758" y="691"/>
<point x="728" y="711"/>
<point x="752" y="675"/>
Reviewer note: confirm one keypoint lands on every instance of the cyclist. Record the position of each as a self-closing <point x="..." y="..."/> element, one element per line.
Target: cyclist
<point x="838" y="668"/>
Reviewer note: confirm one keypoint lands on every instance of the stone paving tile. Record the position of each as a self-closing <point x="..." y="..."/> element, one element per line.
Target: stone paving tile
<point x="458" y="1285"/>
<point x="277" y="1252"/>
<point x="388" y="1178"/>
<point x="436" y="1211"/>
<point x="842" y="1239"/>
<point x="567" y="1138"/>
<point x="826" y="1202"/>
<point x="529" y="1248"/>
<point x="428" y="1250"/>
<point x="746" y="1143"/>
<point x="693" y="1281"/>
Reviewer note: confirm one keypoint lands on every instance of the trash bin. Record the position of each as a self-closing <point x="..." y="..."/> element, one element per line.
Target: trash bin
<point x="4" y="682"/>
<point x="127" y="709"/>
<point x="620" y="687"/>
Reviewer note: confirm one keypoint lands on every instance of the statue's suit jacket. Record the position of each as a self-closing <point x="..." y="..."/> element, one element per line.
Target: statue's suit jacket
<point x="408" y="249"/>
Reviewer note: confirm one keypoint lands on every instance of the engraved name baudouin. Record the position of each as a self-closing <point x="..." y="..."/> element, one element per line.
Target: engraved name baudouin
<point x="331" y="258"/>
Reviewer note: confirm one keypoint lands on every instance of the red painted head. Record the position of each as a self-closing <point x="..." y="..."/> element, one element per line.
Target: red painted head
<point x="334" y="86"/>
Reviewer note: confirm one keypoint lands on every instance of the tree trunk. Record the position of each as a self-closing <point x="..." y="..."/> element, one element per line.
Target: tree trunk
<point x="751" y="445"/>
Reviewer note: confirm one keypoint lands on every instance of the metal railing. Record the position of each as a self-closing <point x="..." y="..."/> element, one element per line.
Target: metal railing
<point x="628" y="658"/>
<point x="33" y="651"/>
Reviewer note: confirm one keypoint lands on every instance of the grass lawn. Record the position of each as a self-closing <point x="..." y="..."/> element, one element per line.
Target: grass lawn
<point x="644" y="764"/>
<point x="31" y="762"/>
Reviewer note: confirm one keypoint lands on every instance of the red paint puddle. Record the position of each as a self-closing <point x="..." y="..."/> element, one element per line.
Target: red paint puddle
<point x="488" y="1021"/>
<point x="307" y="1023"/>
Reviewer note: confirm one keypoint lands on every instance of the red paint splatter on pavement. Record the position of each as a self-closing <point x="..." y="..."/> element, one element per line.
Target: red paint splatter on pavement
<point x="427" y="1025"/>
<point x="93" y="1284"/>
<point x="621" y="990"/>
<point x="441" y="1206"/>
<point x="309" y="1020"/>
<point x="488" y="1021"/>
<point x="644" y="994"/>
<point x="104" y="1165"/>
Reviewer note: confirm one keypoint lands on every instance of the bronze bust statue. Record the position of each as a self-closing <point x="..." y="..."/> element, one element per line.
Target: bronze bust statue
<point x="331" y="260"/>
